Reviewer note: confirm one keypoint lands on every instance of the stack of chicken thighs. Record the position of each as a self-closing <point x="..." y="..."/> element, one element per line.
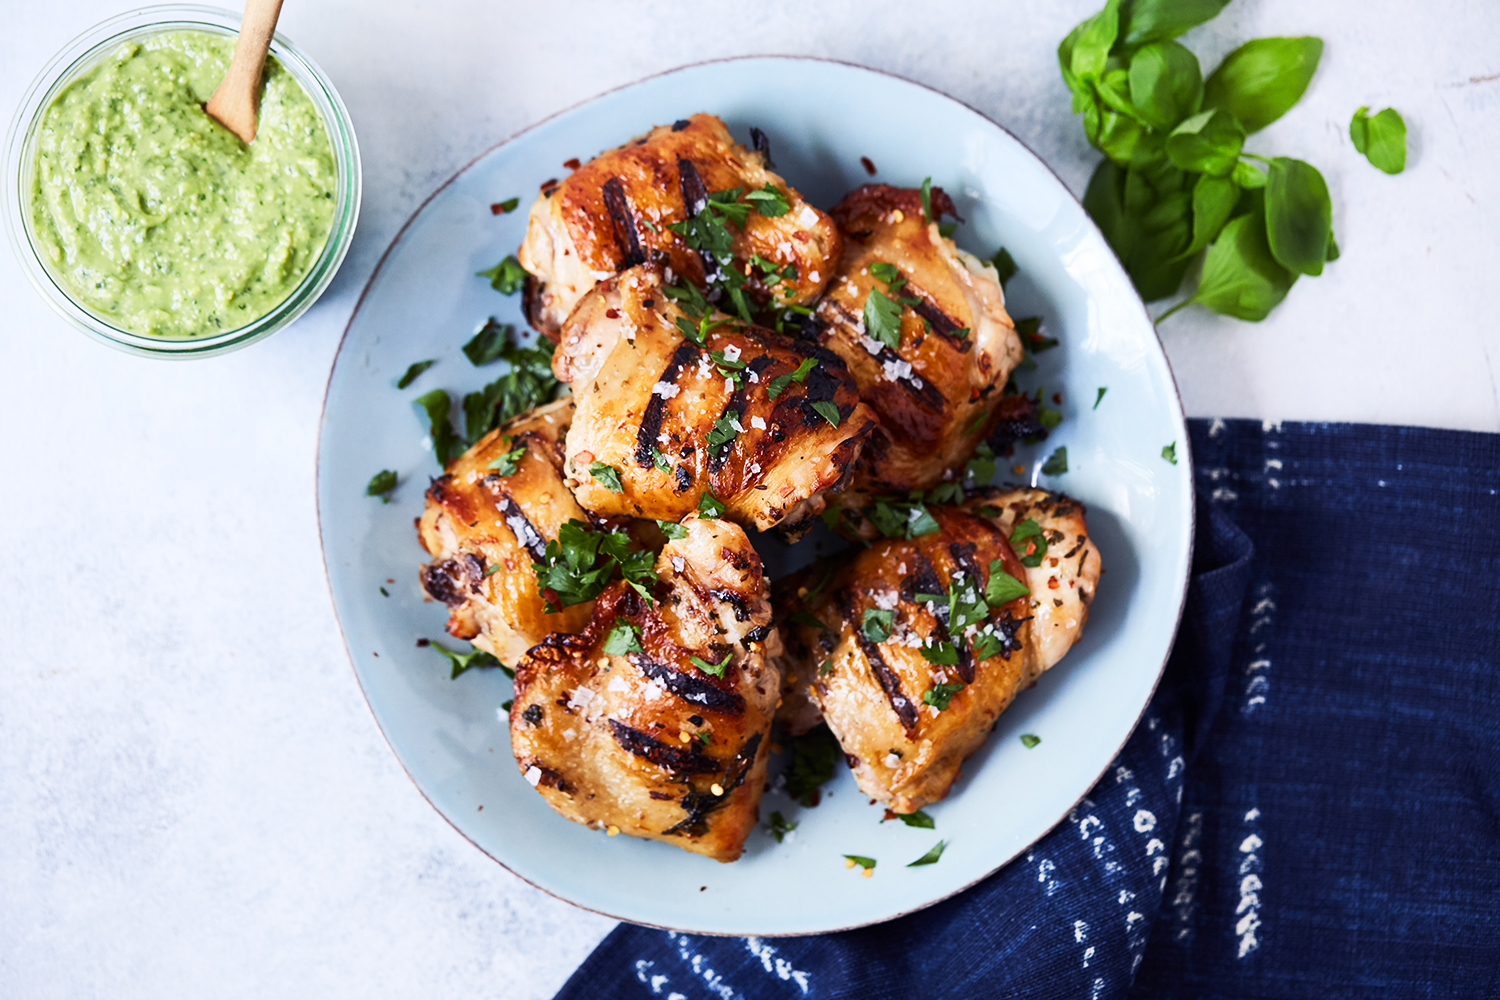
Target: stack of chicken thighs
<point x="648" y="710"/>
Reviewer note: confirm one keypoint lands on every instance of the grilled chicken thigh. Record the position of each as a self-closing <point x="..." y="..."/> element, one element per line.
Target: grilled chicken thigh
<point x="490" y="511"/>
<point x="662" y="731"/>
<point x="937" y="390"/>
<point x="911" y="665"/>
<point x="613" y="213"/>
<point x="674" y="420"/>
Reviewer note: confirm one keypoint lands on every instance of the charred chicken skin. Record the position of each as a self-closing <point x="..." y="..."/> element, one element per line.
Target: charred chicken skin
<point x="937" y="389"/>
<point x="495" y="508"/>
<point x="759" y="422"/>
<point x="654" y="720"/>
<point x="615" y="211"/>
<point x="919" y="647"/>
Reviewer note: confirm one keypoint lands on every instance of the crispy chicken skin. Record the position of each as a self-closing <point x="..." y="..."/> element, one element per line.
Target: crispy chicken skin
<point x="906" y="752"/>
<point x="613" y="213"/>
<point x="648" y="399"/>
<point x="648" y="743"/>
<point x="476" y="518"/>
<point x="937" y="392"/>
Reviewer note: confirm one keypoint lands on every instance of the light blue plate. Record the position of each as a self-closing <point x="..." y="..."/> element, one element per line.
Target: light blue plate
<point x="424" y="302"/>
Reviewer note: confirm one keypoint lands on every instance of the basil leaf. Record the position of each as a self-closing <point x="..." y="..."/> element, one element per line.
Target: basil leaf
<point x="828" y="411"/>
<point x="607" y="476"/>
<point x="709" y="506"/>
<point x="1143" y="21"/>
<point x="1028" y="740"/>
<point x="1299" y="215"/>
<point x="1118" y="136"/>
<point x="1166" y="84"/>
<point x="1089" y="50"/>
<point x="672" y="529"/>
<point x="1207" y="143"/>
<point x="1057" y="462"/>
<point x="1214" y="199"/>
<point x="506" y="277"/>
<point x="1157" y="261"/>
<point x="1381" y="139"/>
<point x="717" y="669"/>
<point x="875" y="625"/>
<point x="382" y="482"/>
<point x="882" y="319"/>
<point x="1247" y="176"/>
<point x="418" y="367"/>
<point x="1104" y="202"/>
<point x="1240" y="276"/>
<point x="446" y="445"/>
<point x="931" y="857"/>
<point x="489" y="343"/>
<point x="623" y="638"/>
<point x="1333" y="247"/>
<point x="917" y="819"/>
<point x="1261" y="80"/>
<point x="1003" y="588"/>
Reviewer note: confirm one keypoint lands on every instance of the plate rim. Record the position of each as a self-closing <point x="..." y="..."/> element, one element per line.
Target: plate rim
<point x="1175" y="400"/>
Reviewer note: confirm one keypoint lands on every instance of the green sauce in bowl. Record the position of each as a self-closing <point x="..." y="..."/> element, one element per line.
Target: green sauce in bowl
<point x="155" y="217"/>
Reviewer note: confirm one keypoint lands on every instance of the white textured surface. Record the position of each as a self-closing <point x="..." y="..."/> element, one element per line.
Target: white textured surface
<point x="194" y="800"/>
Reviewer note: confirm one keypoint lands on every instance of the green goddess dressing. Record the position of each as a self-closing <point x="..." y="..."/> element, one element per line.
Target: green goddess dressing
<point x="155" y="217"/>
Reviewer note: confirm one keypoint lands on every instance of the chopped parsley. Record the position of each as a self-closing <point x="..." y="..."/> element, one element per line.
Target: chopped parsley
<point x="882" y="319"/>
<point x="902" y="518"/>
<point x="876" y="624"/>
<point x="1002" y="587"/>
<point x="488" y="343"/>
<point x="380" y="484"/>
<point x="579" y="562"/>
<point x="717" y="669"/>
<point x="828" y="411"/>
<point x="815" y="754"/>
<point x="473" y="658"/>
<point x="939" y="695"/>
<point x="723" y="431"/>
<point x="623" y="638"/>
<point x="778" y="384"/>
<point x="918" y="819"/>
<point x="508" y="462"/>
<point x="446" y="444"/>
<point x="944" y="654"/>
<point x="980" y="469"/>
<point x="868" y="864"/>
<point x="384" y="592"/>
<point x="495" y="568"/>
<point x="1005" y="266"/>
<point x="926" y="199"/>
<point x="417" y="368"/>
<point x="1030" y="543"/>
<point x="946" y="493"/>
<point x="780" y="826"/>
<point x="1047" y="417"/>
<point x="1057" y="462"/>
<point x="607" y="476"/>
<point x="1029" y="329"/>
<point x="1100" y="398"/>
<point x="505" y="207"/>
<point x="527" y="385"/>
<point x="1170" y="453"/>
<point x="506" y="277"/>
<point x="672" y="529"/>
<point x="769" y="201"/>
<point x="931" y="857"/>
<point x="811" y="620"/>
<point x="1028" y="741"/>
<point x="709" y="507"/>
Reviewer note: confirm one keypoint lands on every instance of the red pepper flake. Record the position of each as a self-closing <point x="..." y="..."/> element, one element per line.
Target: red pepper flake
<point x="571" y="164"/>
<point x="497" y="208"/>
<point x="612" y="313"/>
<point x="868" y="165"/>
<point x="550" y="182"/>
<point x="1057" y="397"/>
<point x="422" y="643"/>
<point x="1052" y="583"/>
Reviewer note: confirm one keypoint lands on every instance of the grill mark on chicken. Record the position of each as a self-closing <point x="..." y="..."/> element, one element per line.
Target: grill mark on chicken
<point x="925" y="581"/>
<point x="687" y="687"/>
<point x="1017" y="419"/>
<point x="661" y="754"/>
<point x="889" y="680"/>
<point x="656" y="408"/>
<point x="453" y="580"/>
<point x="700" y="804"/>
<point x="963" y="558"/>
<point x="694" y="200"/>
<point x="736" y="405"/>
<point x="925" y="308"/>
<point x="740" y="605"/>
<point x="520" y="526"/>
<point x="628" y="240"/>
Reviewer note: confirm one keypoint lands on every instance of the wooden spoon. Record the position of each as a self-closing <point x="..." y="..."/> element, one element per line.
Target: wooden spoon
<point x="234" y="103"/>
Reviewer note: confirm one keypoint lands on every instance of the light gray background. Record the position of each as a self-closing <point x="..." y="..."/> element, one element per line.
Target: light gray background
<point x="194" y="800"/>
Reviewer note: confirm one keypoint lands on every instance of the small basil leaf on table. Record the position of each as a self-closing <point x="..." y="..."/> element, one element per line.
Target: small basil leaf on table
<point x="1143" y="21"/>
<point x="1240" y="276"/>
<point x="1298" y="215"/>
<point x="1166" y="84"/>
<point x="1261" y="80"/>
<point x="1207" y="143"/>
<point x="1382" y="139"/>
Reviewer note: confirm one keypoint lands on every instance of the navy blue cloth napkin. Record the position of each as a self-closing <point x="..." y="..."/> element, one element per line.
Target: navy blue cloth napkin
<point x="1310" y="806"/>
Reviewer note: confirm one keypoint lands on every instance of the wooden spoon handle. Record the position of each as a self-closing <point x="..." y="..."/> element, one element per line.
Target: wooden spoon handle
<point x="234" y="102"/>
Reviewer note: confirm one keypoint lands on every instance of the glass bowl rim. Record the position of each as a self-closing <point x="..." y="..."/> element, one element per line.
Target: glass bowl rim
<point x="83" y="52"/>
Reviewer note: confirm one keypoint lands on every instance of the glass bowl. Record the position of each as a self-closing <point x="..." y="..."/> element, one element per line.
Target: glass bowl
<point x="81" y="55"/>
